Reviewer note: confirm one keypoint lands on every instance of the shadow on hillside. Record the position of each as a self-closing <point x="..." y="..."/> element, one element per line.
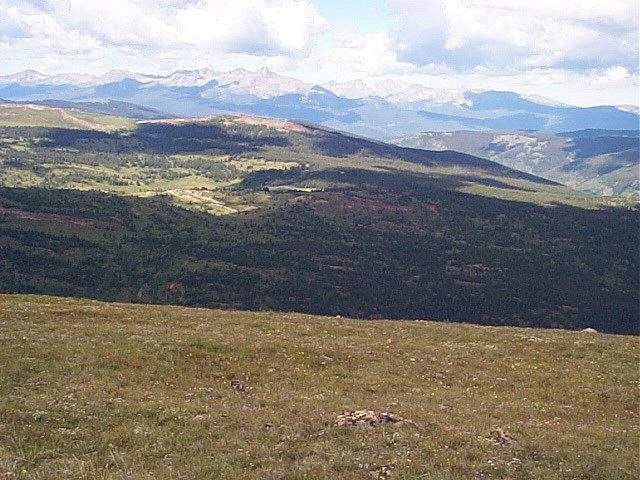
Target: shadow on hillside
<point x="470" y="259"/>
<point x="587" y="147"/>
<point x="396" y="181"/>
<point x="155" y="138"/>
<point x="336" y="145"/>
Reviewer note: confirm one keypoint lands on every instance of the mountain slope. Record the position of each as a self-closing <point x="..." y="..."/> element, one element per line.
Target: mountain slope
<point x="332" y="224"/>
<point x="601" y="162"/>
<point x="110" y="107"/>
<point x="36" y="115"/>
<point x="137" y="391"/>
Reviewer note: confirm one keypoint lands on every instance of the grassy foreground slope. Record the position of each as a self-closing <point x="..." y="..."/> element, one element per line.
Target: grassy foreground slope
<point x="94" y="390"/>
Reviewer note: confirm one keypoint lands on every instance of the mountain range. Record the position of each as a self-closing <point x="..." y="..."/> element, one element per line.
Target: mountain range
<point x="263" y="83"/>
<point x="383" y="111"/>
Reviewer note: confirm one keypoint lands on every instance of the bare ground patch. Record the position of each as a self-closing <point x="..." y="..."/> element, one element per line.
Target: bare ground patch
<point x="47" y="217"/>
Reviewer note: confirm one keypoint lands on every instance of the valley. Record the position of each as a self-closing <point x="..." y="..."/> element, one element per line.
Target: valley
<point x="246" y="213"/>
<point x="599" y="162"/>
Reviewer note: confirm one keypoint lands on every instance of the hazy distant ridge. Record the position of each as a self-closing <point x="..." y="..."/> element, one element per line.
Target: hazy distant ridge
<point x="601" y="162"/>
<point x="384" y="110"/>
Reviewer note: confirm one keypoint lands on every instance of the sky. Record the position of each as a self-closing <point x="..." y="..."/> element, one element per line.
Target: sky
<point x="581" y="52"/>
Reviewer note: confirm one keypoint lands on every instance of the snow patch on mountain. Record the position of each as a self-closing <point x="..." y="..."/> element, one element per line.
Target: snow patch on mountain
<point x="395" y="91"/>
<point x="629" y="108"/>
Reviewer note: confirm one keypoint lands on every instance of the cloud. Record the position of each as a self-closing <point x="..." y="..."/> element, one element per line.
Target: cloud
<point x="253" y="27"/>
<point x="361" y="52"/>
<point x="613" y="76"/>
<point x="12" y="25"/>
<point x="468" y="35"/>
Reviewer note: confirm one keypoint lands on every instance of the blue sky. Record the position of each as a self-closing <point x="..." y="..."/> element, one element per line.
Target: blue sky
<point x="583" y="52"/>
<point x="364" y="16"/>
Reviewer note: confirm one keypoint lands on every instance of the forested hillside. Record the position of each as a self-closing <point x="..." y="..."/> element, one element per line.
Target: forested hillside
<point x="255" y="214"/>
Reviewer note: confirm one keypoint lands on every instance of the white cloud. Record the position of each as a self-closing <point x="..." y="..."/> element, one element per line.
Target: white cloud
<point x="613" y="76"/>
<point x="253" y="27"/>
<point x="361" y="52"/>
<point x="614" y="13"/>
<point x="517" y="34"/>
<point x="12" y="25"/>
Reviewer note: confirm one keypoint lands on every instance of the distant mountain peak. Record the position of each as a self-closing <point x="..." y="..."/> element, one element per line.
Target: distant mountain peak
<point x="393" y="91"/>
<point x="31" y="74"/>
<point x="113" y="76"/>
<point x="25" y="76"/>
<point x="544" y="101"/>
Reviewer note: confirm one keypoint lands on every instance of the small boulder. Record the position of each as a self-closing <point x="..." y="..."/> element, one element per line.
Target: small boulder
<point x="501" y="437"/>
<point x="238" y="386"/>
<point x="366" y="417"/>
